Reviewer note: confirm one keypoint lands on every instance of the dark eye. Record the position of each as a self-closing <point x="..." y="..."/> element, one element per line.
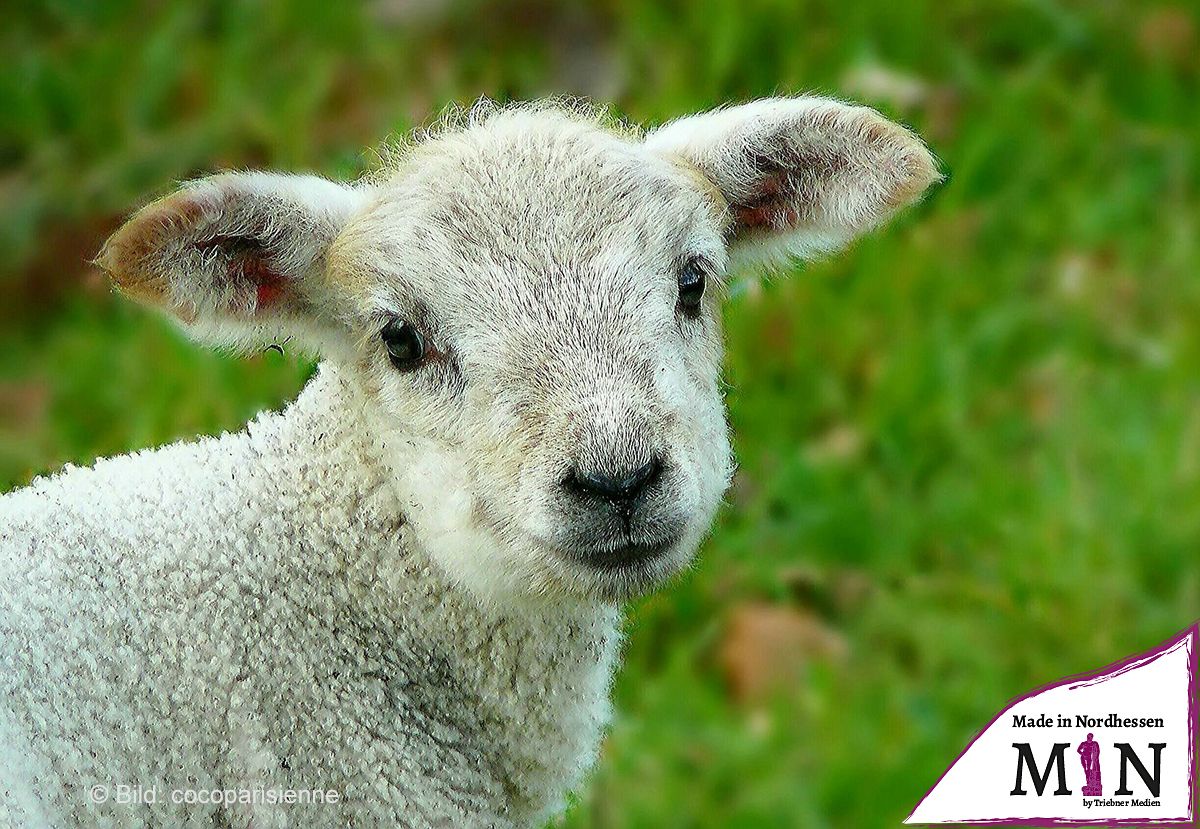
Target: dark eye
<point x="691" y="286"/>
<point x="405" y="345"/>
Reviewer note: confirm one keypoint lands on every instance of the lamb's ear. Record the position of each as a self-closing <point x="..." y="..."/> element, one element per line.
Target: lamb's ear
<point x="239" y="258"/>
<point x="800" y="176"/>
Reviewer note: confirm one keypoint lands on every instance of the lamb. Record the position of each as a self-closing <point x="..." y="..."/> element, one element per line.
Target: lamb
<point x="398" y="599"/>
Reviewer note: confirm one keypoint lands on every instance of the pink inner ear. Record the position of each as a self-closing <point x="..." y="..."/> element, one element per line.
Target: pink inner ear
<point x="268" y="292"/>
<point x="777" y="215"/>
<point x="772" y="205"/>
<point x="248" y="266"/>
<point x="269" y="284"/>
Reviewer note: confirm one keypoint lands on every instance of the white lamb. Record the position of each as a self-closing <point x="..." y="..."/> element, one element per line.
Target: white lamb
<point x="404" y="588"/>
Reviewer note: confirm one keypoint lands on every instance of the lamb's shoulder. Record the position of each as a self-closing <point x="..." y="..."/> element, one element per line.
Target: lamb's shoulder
<point x="134" y="594"/>
<point x="113" y="655"/>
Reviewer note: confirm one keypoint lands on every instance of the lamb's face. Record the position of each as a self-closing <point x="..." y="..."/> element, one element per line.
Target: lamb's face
<point x="530" y="306"/>
<point x="538" y="303"/>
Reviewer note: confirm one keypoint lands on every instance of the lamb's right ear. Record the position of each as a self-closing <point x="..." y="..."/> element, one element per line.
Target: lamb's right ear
<point x="239" y="258"/>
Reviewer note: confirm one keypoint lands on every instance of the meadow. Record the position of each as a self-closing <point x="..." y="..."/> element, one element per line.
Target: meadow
<point x="969" y="447"/>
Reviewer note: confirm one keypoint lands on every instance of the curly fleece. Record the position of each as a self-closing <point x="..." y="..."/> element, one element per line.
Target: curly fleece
<point x="248" y="612"/>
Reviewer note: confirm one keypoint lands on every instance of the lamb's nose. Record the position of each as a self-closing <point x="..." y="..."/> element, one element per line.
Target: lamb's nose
<point x="621" y="487"/>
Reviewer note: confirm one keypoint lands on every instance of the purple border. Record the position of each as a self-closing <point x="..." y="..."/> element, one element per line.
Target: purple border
<point x="1144" y="658"/>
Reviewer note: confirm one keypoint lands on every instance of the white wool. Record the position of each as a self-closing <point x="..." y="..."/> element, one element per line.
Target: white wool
<point x="250" y="611"/>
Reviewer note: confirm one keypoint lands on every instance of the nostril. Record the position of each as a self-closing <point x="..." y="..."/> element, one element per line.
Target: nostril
<point x="641" y="478"/>
<point x="624" y="486"/>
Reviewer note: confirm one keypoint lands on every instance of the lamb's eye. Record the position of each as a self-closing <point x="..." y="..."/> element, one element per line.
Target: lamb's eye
<point x="691" y="286"/>
<point x="405" y="345"/>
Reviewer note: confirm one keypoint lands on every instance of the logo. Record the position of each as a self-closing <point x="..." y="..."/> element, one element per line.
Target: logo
<point x="1111" y="747"/>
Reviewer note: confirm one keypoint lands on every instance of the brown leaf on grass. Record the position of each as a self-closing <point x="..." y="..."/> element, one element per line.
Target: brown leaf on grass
<point x="23" y="405"/>
<point x="766" y="647"/>
<point x="1168" y="33"/>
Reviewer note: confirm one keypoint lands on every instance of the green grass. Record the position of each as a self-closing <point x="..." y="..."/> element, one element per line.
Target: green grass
<point x="969" y="448"/>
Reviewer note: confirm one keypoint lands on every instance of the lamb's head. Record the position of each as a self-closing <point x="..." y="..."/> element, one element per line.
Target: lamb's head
<point x="529" y="304"/>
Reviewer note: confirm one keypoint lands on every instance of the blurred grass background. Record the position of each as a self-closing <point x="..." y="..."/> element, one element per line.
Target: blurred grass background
<point x="969" y="447"/>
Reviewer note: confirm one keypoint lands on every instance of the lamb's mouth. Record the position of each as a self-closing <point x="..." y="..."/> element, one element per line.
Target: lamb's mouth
<point x="625" y="556"/>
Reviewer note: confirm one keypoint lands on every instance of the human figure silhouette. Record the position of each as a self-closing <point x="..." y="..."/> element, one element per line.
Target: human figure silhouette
<point x="1089" y="756"/>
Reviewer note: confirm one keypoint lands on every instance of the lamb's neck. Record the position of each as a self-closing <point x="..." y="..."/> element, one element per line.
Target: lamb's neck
<point x="532" y="675"/>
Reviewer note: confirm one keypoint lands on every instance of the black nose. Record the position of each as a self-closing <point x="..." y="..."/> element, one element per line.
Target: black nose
<point x="623" y="487"/>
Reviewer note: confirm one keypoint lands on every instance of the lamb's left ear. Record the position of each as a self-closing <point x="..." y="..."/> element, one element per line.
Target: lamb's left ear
<point x="239" y="258"/>
<point x="800" y="176"/>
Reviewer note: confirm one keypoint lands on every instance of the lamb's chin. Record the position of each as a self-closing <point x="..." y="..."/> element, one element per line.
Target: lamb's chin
<point x="625" y="574"/>
<point x="508" y="574"/>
